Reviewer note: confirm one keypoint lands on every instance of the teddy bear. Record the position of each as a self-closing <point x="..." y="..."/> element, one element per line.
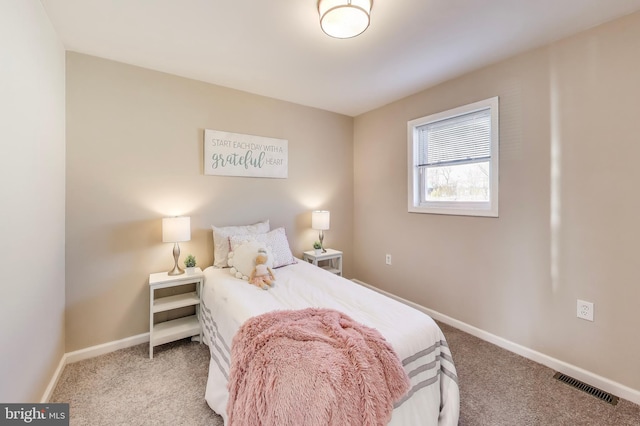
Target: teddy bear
<point x="262" y="275"/>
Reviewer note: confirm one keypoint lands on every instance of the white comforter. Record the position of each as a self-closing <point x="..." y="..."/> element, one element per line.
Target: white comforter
<point x="420" y="344"/>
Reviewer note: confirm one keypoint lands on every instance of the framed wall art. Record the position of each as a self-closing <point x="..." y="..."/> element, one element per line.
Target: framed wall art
<point x="235" y="154"/>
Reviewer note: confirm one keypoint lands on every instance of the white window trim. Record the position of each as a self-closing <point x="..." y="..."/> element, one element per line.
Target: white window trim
<point x="488" y="209"/>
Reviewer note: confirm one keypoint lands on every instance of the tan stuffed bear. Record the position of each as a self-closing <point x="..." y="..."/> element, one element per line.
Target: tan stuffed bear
<point x="262" y="276"/>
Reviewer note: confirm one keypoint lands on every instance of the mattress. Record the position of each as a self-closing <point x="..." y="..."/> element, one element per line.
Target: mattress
<point x="228" y="302"/>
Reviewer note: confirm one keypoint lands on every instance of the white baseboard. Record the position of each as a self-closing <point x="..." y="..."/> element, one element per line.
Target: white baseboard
<point x="91" y="352"/>
<point x="581" y="374"/>
<point x="106" y="348"/>
<point x="54" y="380"/>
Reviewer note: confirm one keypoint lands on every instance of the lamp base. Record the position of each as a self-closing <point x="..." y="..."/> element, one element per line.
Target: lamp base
<point x="321" y="236"/>
<point x="176" y="255"/>
<point x="176" y="271"/>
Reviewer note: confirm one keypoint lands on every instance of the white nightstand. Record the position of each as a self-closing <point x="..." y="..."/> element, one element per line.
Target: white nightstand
<point x="330" y="261"/>
<point x="168" y="331"/>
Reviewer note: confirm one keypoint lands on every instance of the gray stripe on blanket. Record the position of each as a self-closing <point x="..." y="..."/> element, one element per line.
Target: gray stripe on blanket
<point x="212" y="325"/>
<point x="446" y="356"/>
<point x="222" y="370"/>
<point x="422" y="368"/>
<point x="215" y="350"/>
<point x="422" y="353"/>
<point x="416" y="388"/>
<point x="208" y="328"/>
<point x="443" y="354"/>
<point x="222" y="355"/>
<point x="448" y="373"/>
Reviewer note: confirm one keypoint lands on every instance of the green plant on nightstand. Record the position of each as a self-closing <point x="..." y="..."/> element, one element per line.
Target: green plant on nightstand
<point x="190" y="263"/>
<point x="317" y="247"/>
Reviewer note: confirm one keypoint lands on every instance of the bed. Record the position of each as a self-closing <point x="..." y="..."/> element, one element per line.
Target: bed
<point x="227" y="302"/>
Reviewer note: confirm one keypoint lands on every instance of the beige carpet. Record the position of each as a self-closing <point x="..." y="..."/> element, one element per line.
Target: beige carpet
<point x="496" y="388"/>
<point x="127" y="388"/>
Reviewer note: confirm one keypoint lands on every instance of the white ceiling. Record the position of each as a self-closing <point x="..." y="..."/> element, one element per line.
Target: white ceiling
<point x="276" y="48"/>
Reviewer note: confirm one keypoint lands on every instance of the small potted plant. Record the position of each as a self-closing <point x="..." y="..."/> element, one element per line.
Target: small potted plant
<point x="190" y="264"/>
<point x="317" y="247"/>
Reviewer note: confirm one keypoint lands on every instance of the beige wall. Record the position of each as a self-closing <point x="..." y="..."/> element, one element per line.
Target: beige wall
<point x="32" y="192"/>
<point x="135" y="155"/>
<point x="568" y="225"/>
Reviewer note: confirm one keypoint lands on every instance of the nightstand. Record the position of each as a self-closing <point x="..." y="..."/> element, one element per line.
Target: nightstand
<point x="168" y="331"/>
<point x="330" y="261"/>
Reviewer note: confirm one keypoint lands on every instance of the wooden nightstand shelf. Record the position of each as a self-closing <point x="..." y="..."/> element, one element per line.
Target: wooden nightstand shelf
<point x="168" y="331"/>
<point x="330" y="261"/>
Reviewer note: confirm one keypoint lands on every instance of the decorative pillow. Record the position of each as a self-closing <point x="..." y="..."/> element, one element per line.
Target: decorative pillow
<point x="221" y="239"/>
<point x="242" y="258"/>
<point x="275" y="240"/>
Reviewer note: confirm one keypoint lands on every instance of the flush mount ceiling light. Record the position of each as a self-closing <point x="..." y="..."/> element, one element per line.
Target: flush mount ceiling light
<point x="344" y="18"/>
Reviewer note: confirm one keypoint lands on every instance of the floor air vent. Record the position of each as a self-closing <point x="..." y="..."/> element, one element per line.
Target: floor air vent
<point x="600" y="394"/>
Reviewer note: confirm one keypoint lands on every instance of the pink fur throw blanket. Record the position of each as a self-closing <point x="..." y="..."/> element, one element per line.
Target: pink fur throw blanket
<point x="312" y="367"/>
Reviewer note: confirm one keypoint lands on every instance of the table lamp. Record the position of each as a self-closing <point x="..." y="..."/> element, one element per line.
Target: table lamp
<point x="320" y="221"/>
<point x="175" y="230"/>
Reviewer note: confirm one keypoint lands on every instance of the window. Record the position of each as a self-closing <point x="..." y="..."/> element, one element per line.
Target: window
<point x="453" y="161"/>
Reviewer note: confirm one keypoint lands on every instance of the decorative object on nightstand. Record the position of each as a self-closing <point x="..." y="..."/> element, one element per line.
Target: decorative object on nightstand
<point x="176" y="329"/>
<point x="176" y="230"/>
<point x="190" y="264"/>
<point x="330" y="261"/>
<point x="317" y="248"/>
<point x="320" y="221"/>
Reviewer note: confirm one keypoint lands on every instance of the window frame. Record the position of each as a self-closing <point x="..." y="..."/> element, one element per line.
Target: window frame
<point x="462" y="208"/>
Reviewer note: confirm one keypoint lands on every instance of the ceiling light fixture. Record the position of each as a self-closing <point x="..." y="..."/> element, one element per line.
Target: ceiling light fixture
<point x="344" y="18"/>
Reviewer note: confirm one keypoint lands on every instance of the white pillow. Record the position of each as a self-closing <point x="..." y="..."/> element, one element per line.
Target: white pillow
<point x="221" y="239"/>
<point x="242" y="258"/>
<point x="275" y="240"/>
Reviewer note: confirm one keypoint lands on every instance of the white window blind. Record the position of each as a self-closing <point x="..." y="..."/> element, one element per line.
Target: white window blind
<point x="458" y="140"/>
<point x="453" y="160"/>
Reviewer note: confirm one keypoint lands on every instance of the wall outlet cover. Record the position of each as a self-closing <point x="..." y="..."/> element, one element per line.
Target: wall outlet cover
<point x="585" y="310"/>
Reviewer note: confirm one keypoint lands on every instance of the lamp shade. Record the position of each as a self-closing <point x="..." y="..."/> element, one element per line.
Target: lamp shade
<point x="344" y="18"/>
<point x="176" y="229"/>
<point x="320" y="220"/>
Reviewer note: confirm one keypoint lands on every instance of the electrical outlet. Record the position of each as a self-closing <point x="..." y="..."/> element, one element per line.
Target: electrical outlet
<point x="387" y="259"/>
<point x="585" y="310"/>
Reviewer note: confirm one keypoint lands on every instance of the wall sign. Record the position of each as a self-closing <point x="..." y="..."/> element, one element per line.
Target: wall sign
<point x="235" y="154"/>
